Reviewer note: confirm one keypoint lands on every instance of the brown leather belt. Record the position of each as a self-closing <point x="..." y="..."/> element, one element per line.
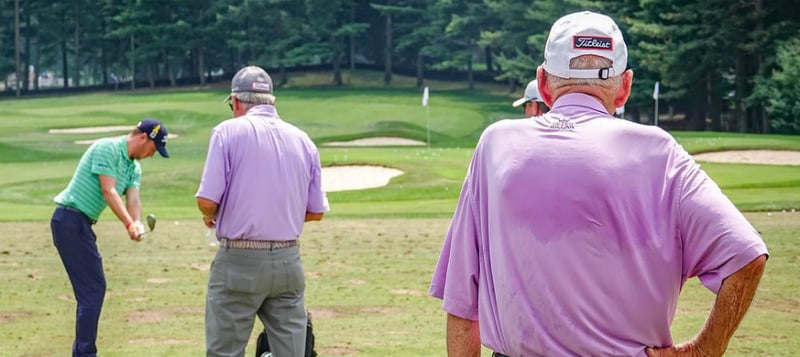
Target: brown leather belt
<point x="256" y="244"/>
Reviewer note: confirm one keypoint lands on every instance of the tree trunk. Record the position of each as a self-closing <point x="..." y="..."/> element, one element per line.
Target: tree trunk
<point x="77" y="53"/>
<point x="64" y="69"/>
<point x="201" y="65"/>
<point x="470" y="77"/>
<point x="759" y="10"/>
<point x="28" y="56"/>
<point x="168" y="69"/>
<point x="352" y="41"/>
<point x="37" y="65"/>
<point x="489" y="59"/>
<point x="714" y="100"/>
<point x="738" y="120"/>
<point x="337" y="68"/>
<point x="387" y="56"/>
<point x="284" y="77"/>
<point x="152" y="71"/>
<point x="133" y="61"/>
<point x="420" y="70"/>
<point x="17" y="66"/>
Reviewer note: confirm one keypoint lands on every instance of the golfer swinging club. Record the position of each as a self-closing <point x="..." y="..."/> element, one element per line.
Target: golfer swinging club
<point x="109" y="168"/>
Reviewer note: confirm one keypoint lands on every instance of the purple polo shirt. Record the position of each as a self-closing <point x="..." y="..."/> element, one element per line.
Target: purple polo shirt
<point x="265" y="174"/>
<point x="575" y="232"/>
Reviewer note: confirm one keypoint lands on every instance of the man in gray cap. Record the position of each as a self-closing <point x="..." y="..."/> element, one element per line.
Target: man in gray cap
<point x="531" y="102"/>
<point x="261" y="182"/>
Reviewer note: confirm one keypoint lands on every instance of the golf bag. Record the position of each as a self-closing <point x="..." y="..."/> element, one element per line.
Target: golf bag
<point x="262" y="344"/>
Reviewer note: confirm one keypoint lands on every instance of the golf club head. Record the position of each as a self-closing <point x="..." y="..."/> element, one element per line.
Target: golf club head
<point x="151" y="221"/>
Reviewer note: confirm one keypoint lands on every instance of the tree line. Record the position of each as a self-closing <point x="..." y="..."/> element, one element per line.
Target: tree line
<point x="722" y="64"/>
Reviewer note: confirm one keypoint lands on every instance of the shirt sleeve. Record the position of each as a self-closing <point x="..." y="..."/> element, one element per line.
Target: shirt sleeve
<point x="212" y="183"/>
<point x="317" y="200"/>
<point x="717" y="239"/>
<point x="455" y="279"/>
<point x="102" y="162"/>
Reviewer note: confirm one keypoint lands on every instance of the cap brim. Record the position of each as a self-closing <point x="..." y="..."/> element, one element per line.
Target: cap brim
<point x="519" y="102"/>
<point x="162" y="150"/>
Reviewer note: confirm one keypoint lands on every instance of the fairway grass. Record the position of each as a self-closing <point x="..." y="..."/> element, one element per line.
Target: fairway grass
<point x="367" y="282"/>
<point x="368" y="264"/>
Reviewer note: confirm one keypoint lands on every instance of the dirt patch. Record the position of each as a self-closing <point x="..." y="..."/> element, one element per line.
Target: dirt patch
<point x="407" y="292"/>
<point x="200" y="266"/>
<point x="356" y="177"/>
<point x="147" y="316"/>
<point x="323" y="314"/>
<point x="337" y="351"/>
<point x="9" y="316"/>
<point x="764" y="157"/>
<point x="161" y="342"/>
<point x="356" y="282"/>
<point x="378" y="141"/>
<point x="382" y="310"/>
<point x="159" y="280"/>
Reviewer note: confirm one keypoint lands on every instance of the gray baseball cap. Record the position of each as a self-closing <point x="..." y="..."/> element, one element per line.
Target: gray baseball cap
<point x="251" y="79"/>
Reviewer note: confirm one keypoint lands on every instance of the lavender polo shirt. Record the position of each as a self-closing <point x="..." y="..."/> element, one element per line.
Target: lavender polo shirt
<point x="265" y="174"/>
<point x="575" y="232"/>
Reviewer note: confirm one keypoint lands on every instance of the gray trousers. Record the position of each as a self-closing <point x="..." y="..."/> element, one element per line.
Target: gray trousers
<point x="244" y="284"/>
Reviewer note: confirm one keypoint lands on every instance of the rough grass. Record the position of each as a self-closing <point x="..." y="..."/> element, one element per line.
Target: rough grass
<point x="366" y="285"/>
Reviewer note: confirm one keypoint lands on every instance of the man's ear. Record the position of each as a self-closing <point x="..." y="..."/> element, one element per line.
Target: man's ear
<point x="544" y="87"/>
<point x="625" y="89"/>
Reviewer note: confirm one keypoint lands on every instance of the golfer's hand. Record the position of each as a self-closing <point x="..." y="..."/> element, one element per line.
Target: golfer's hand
<point x="135" y="231"/>
<point x="209" y="221"/>
<point x="687" y="349"/>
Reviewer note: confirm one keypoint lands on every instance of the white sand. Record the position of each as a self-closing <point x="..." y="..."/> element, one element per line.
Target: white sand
<point x="91" y="141"/>
<point x="344" y="178"/>
<point x="378" y="141"/>
<point x="92" y="130"/>
<point x="766" y="157"/>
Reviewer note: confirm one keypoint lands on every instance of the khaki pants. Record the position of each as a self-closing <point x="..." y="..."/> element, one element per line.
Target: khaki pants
<point x="244" y="284"/>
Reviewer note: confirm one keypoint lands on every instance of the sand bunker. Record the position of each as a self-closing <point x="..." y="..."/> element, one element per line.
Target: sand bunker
<point x="91" y="141"/>
<point x="764" y="157"/>
<point x="96" y="130"/>
<point x="344" y="178"/>
<point x="92" y="129"/>
<point x="378" y="141"/>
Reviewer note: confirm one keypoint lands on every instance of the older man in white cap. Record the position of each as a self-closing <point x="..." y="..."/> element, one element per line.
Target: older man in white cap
<point x="567" y="242"/>
<point x="531" y="101"/>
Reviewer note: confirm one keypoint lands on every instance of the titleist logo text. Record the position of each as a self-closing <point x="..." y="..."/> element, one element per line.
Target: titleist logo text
<point x="592" y="42"/>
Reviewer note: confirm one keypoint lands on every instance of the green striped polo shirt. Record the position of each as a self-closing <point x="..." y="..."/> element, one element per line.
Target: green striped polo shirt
<point x="109" y="157"/>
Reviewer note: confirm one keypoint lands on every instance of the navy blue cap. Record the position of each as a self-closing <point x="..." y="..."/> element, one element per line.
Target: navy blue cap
<point x="156" y="132"/>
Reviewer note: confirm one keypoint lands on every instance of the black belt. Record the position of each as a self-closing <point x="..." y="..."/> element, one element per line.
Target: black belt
<point x="498" y="354"/>
<point x="73" y="209"/>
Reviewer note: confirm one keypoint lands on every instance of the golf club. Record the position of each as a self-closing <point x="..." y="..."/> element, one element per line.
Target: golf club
<point x="151" y="224"/>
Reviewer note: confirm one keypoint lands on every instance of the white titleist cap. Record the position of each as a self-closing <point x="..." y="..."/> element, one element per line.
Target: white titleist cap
<point x="585" y="33"/>
<point x="531" y="94"/>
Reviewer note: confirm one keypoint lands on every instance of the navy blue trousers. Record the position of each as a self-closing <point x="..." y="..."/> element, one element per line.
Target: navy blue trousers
<point x="75" y="241"/>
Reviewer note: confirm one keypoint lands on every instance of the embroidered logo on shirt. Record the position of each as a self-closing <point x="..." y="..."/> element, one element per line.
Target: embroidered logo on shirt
<point x="562" y="125"/>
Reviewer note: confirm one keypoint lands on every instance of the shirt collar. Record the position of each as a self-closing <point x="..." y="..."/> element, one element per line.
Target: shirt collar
<point x="264" y="110"/>
<point x="579" y="100"/>
<point x="123" y="148"/>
